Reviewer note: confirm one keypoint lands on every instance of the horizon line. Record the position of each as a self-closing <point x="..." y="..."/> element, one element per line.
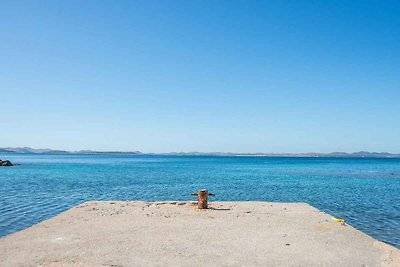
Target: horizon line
<point x="26" y="150"/>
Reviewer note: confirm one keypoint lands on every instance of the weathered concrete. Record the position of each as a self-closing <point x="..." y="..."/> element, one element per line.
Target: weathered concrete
<point x="177" y="234"/>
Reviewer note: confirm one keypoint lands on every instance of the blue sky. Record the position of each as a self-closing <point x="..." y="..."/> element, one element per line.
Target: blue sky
<point x="240" y="76"/>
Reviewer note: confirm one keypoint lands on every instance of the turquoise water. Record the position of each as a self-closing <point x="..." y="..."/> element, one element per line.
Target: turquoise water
<point x="366" y="192"/>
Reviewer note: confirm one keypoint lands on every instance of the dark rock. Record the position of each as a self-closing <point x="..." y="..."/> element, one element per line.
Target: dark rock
<point x="5" y="163"/>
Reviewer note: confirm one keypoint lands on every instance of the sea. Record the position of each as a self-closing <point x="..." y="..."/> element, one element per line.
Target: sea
<point x="363" y="191"/>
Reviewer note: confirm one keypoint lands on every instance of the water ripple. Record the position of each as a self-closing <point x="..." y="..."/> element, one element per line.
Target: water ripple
<point x="366" y="192"/>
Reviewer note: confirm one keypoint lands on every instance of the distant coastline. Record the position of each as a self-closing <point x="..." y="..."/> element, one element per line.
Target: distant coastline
<point x="361" y="154"/>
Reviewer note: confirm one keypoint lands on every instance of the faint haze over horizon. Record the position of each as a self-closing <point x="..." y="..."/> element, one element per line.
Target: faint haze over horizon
<point x="207" y="76"/>
<point x="35" y="150"/>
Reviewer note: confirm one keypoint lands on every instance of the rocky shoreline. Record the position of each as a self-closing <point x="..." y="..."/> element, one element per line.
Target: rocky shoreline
<point x="5" y="163"/>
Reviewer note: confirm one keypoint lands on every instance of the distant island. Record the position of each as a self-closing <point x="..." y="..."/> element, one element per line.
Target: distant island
<point x="361" y="154"/>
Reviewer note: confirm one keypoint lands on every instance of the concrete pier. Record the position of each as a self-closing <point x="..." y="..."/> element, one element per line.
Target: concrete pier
<point x="178" y="234"/>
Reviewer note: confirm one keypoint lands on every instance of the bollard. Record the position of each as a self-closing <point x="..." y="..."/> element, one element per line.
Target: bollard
<point x="202" y="196"/>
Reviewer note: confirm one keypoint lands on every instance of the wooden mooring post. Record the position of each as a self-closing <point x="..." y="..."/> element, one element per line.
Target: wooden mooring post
<point x="202" y="196"/>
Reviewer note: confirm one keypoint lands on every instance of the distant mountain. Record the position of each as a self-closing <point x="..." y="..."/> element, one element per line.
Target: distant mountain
<point x="28" y="150"/>
<point x="106" y="152"/>
<point x="2" y="150"/>
<point x="361" y="154"/>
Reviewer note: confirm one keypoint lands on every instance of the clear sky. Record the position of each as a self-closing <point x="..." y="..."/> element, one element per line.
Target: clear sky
<point x="239" y="76"/>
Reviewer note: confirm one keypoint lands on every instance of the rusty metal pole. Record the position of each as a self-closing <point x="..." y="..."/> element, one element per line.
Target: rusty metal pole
<point x="202" y="196"/>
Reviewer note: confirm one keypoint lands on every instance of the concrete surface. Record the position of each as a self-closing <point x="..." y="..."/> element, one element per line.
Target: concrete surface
<point x="177" y="234"/>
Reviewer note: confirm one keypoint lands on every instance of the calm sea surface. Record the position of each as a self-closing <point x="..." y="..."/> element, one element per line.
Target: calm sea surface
<point x="366" y="192"/>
